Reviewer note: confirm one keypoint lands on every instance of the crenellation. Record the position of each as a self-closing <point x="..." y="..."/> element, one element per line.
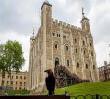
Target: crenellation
<point x="65" y="25"/>
<point x="68" y="25"/>
<point x="56" y="21"/>
<point x="61" y="23"/>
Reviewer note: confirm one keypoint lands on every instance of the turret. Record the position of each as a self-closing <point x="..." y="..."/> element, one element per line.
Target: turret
<point x="85" y="23"/>
<point x="46" y="14"/>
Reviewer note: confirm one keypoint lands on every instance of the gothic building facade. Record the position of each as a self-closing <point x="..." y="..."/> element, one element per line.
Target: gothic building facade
<point x="59" y="43"/>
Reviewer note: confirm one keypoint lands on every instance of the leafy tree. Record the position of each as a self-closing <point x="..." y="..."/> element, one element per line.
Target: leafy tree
<point x="11" y="57"/>
<point x="2" y="60"/>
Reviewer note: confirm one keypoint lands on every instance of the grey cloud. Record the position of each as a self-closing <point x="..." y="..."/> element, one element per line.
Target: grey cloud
<point x="100" y="21"/>
<point x="18" y="16"/>
<point x="101" y="29"/>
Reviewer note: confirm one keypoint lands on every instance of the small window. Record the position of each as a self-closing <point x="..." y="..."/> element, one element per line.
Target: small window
<point x="84" y="52"/>
<point x="12" y="77"/>
<point x="86" y="66"/>
<point x="15" y="88"/>
<point x="20" y="77"/>
<point x="19" y="88"/>
<point x="11" y="82"/>
<point x="8" y="76"/>
<point x="57" y="35"/>
<point x="93" y="66"/>
<point x="24" y="77"/>
<point x="16" y="77"/>
<point x="56" y="46"/>
<point x="67" y="62"/>
<point x="90" y="44"/>
<point x="83" y="42"/>
<point x="77" y="65"/>
<point x="7" y="82"/>
<point x="64" y="36"/>
<point x="24" y="83"/>
<point x="91" y="53"/>
<point x="75" y="41"/>
<point x="16" y="82"/>
<point x="3" y="82"/>
<point x="66" y="48"/>
<point x="3" y="76"/>
<point x="76" y="50"/>
<point x="53" y="34"/>
<point x="20" y="83"/>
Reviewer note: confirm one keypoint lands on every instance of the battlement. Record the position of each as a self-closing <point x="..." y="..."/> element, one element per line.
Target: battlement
<point x="65" y="25"/>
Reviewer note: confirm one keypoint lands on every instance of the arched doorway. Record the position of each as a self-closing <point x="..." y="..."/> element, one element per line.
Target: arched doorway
<point x="56" y="61"/>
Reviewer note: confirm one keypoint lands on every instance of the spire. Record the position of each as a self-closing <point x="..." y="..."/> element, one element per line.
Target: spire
<point x="83" y="12"/>
<point x="33" y="35"/>
<point x="83" y="15"/>
<point x="85" y="22"/>
<point x="33" y="32"/>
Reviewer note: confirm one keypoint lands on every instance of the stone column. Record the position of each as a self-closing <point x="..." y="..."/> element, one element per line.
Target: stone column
<point x="72" y="50"/>
<point x="91" y="63"/>
<point x="82" y="58"/>
<point x="62" y="47"/>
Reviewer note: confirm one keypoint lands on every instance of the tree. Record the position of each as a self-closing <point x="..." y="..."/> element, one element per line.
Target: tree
<point x="11" y="57"/>
<point x="2" y="61"/>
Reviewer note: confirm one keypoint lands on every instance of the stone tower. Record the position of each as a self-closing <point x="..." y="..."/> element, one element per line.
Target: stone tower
<point x="59" y="43"/>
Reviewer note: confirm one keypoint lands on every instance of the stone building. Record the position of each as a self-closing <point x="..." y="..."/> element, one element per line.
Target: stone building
<point x="104" y="72"/>
<point x="18" y="81"/>
<point x="59" y="43"/>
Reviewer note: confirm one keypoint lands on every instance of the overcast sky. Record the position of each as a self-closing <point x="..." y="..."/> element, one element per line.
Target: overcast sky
<point x="18" y="17"/>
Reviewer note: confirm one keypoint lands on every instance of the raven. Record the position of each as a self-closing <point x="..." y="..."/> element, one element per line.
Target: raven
<point x="50" y="82"/>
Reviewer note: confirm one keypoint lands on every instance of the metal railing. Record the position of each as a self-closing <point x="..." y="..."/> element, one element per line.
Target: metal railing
<point x="90" y="97"/>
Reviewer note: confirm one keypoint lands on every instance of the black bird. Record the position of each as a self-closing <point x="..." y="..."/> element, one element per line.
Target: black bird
<point x="50" y="82"/>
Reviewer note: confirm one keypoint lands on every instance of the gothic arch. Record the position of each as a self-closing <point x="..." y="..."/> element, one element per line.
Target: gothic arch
<point x="56" y="45"/>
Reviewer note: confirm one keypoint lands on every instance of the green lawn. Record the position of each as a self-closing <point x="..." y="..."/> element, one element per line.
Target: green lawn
<point x="16" y="92"/>
<point x="101" y="88"/>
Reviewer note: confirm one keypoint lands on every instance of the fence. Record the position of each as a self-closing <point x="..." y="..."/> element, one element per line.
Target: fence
<point x="90" y="97"/>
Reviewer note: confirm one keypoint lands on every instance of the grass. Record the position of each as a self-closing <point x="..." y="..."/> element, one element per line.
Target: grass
<point x="101" y="88"/>
<point x="16" y="92"/>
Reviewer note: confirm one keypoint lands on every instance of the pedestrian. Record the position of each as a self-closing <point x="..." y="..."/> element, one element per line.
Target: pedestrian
<point x="50" y="82"/>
